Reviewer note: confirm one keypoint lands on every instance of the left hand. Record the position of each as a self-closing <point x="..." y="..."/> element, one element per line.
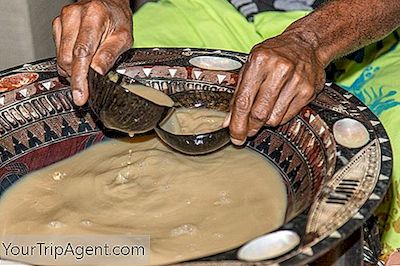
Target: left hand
<point x="282" y="75"/>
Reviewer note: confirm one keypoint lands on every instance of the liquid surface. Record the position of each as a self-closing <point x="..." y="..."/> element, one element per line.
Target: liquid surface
<point x="190" y="206"/>
<point x="148" y="93"/>
<point x="185" y="121"/>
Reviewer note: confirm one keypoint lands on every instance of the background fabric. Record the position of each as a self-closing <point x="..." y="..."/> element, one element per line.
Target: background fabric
<point x="370" y="73"/>
<point x="249" y="8"/>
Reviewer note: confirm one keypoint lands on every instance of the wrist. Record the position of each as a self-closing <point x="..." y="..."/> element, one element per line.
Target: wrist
<point x="310" y="38"/>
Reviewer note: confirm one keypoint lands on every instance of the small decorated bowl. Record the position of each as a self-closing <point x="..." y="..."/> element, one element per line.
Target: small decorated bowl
<point x="124" y="104"/>
<point x="200" y="142"/>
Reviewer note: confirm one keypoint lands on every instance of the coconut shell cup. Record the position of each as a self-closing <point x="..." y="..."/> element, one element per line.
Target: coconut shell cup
<point x="198" y="144"/>
<point x="118" y="108"/>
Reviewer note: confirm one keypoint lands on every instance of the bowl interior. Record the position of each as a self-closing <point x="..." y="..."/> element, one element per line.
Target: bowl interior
<point x="119" y="108"/>
<point x="206" y="141"/>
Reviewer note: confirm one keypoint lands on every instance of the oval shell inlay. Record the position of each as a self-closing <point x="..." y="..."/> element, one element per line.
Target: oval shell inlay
<point x="215" y="63"/>
<point x="350" y="133"/>
<point x="269" y="246"/>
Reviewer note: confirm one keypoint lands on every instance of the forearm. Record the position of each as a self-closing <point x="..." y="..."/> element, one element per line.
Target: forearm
<point x="123" y="1"/>
<point x="342" y="26"/>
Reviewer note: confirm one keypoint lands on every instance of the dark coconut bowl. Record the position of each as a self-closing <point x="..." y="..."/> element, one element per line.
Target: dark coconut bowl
<point x="197" y="144"/>
<point x="118" y="108"/>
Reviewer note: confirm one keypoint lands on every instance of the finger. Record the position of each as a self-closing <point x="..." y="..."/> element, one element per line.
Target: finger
<point x="70" y="22"/>
<point x="57" y="33"/>
<point x="284" y="101"/>
<point x="62" y="72"/>
<point x="88" y="39"/>
<point x="227" y="120"/>
<point x="252" y="77"/>
<point x="57" y="39"/>
<point x="301" y="100"/>
<point x="267" y="97"/>
<point x="110" y="50"/>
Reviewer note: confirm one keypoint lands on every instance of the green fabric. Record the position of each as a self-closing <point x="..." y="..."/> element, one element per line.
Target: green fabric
<point x="270" y="24"/>
<point x="212" y="24"/>
<point x="371" y="73"/>
<point x="187" y="23"/>
<point x="375" y="81"/>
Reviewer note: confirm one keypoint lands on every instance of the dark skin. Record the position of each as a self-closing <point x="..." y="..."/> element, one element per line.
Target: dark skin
<point x="281" y="76"/>
<point x="91" y="33"/>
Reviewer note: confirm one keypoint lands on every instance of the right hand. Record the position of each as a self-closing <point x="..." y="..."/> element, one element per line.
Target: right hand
<point x="91" y="33"/>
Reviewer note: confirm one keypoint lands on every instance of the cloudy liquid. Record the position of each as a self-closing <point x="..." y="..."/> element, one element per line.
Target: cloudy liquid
<point x="186" y="121"/>
<point x="190" y="206"/>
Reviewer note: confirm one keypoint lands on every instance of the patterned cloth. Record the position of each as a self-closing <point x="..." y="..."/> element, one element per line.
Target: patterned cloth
<point x="370" y="73"/>
<point x="249" y="8"/>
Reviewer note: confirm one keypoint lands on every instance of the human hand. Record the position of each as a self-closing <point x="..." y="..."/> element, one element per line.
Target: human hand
<point x="281" y="76"/>
<point x="90" y="33"/>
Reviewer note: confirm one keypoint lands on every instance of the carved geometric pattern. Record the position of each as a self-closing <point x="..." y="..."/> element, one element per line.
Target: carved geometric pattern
<point x="346" y="192"/>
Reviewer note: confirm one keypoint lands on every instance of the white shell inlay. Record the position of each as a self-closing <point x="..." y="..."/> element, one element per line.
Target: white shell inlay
<point x="374" y="197"/>
<point x="24" y="92"/>
<point x="121" y="71"/>
<point x="308" y="251"/>
<point x="221" y="78"/>
<point x="383" y="140"/>
<point x="48" y="85"/>
<point x="147" y="71"/>
<point x="269" y="246"/>
<point x="350" y="133"/>
<point x="383" y="177"/>
<point x="197" y="74"/>
<point x="172" y="72"/>
<point x="358" y="216"/>
<point x="215" y="63"/>
<point x="374" y="123"/>
<point x="336" y="234"/>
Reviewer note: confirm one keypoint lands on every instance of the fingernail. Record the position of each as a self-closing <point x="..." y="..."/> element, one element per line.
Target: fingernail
<point x="77" y="95"/>
<point x="252" y="132"/>
<point x="237" y="142"/>
<point x="227" y="120"/>
<point x="98" y="69"/>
